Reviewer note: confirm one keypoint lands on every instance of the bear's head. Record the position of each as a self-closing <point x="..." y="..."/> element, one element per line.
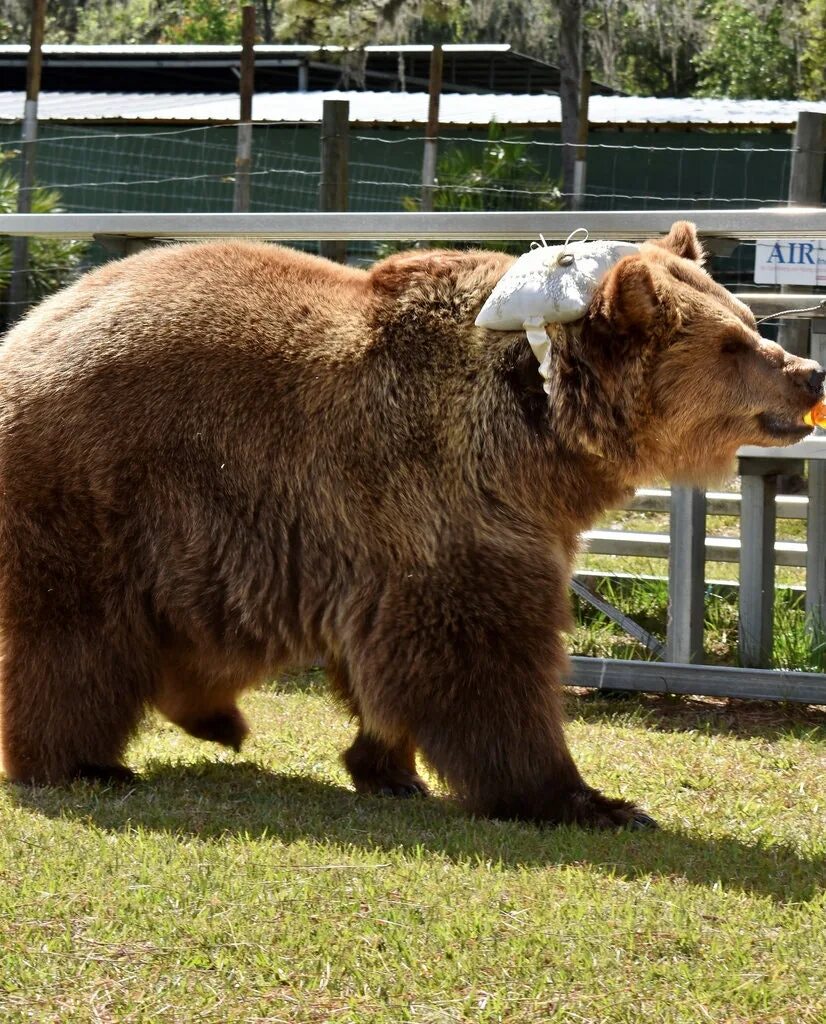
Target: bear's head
<point x="668" y="372"/>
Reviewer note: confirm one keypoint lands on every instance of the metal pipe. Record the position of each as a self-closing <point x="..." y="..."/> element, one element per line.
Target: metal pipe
<point x="786" y="222"/>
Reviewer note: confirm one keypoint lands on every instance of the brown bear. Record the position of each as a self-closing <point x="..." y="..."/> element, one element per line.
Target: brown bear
<point x="218" y="459"/>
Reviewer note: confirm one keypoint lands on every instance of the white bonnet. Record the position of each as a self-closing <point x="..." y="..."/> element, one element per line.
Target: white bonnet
<point x="550" y="284"/>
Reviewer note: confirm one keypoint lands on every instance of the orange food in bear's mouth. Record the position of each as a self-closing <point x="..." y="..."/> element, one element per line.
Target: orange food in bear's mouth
<point x="816" y="416"/>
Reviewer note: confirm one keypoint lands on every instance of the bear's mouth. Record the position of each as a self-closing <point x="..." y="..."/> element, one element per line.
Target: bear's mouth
<point x="782" y="427"/>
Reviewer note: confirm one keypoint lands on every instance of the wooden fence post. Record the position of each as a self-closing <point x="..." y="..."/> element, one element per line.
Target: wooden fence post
<point x="431" y="135"/>
<point x="19" y="284"/>
<point x="816" y="534"/>
<point x="686" y="575"/>
<point x="570" y="71"/>
<point x="581" y="162"/>
<point x="335" y="148"/>
<point x="243" y="158"/>
<point x="805" y="189"/>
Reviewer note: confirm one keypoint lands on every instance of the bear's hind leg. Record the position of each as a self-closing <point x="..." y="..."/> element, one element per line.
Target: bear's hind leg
<point x="70" y="703"/>
<point x="375" y="765"/>
<point x="226" y="726"/>
<point x="383" y="768"/>
<point x="203" y="702"/>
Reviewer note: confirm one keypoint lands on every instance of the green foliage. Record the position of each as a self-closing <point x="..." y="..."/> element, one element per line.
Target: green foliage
<point x="356" y="23"/>
<point x="530" y="26"/>
<point x="746" y="55"/>
<point x="51" y="260"/>
<point x="333" y="22"/>
<point x="12" y="23"/>
<point x="741" y="48"/>
<point x="359" y="22"/>
<point x="655" y="53"/>
<point x="813" y="58"/>
<point x="204" y="22"/>
<point x="502" y="177"/>
<point x="120" y="21"/>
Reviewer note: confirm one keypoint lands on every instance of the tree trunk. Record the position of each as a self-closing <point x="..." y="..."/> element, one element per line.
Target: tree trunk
<point x="570" y="70"/>
<point x="267" y="13"/>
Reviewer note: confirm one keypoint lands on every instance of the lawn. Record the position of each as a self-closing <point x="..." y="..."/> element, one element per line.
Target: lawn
<point x="643" y="595"/>
<point x="259" y="887"/>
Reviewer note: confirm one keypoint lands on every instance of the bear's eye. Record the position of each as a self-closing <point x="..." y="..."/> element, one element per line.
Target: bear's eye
<point x="734" y="345"/>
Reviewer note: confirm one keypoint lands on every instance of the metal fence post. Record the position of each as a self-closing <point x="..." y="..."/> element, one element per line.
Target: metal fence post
<point x="805" y="189"/>
<point x="816" y="533"/>
<point x="686" y="575"/>
<point x="758" y="489"/>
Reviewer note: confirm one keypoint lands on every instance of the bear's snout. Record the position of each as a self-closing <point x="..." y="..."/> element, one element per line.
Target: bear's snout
<point x="807" y="376"/>
<point x="814" y="382"/>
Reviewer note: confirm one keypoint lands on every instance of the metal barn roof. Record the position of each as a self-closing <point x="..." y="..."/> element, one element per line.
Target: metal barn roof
<point x="467" y="68"/>
<point x="385" y="108"/>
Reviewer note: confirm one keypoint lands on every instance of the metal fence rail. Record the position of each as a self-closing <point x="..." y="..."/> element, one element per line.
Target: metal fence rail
<point x="759" y="466"/>
<point x="698" y="680"/>
<point x="796" y="222"/>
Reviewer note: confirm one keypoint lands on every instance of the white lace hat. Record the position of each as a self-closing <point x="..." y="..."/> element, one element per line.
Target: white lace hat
<point x="550" y="284"/>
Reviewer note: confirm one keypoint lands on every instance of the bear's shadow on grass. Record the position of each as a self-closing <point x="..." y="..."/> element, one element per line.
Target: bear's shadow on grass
<point x="742" y="719"/>
<point x="230" y="800"/>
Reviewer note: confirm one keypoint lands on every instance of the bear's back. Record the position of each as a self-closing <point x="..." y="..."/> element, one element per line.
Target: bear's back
<point x="231" y="371"/>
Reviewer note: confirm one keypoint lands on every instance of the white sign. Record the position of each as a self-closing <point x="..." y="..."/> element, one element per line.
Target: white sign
<point x="786" y="261"/>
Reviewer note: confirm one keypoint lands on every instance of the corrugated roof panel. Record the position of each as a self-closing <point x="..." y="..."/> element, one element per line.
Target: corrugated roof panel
<point x="403" y="108"/>
<point x="470" y="68"/>
<point x="191" y="49"/>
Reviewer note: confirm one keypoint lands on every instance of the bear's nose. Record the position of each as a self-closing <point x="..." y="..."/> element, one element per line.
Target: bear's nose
<point x="814" y="382"/>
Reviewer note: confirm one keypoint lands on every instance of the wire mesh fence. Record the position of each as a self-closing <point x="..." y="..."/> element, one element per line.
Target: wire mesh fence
<point x="134" y="168"/>
<point x="192" y="168"/>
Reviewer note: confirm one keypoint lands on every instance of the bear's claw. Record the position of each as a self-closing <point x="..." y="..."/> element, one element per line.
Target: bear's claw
<point x="113" y="774"/>
<point x="405" y="790"/>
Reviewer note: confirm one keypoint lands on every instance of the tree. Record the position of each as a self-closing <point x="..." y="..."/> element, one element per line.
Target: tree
<point x="51" y="260"/>
<point x="644" y="47"/>
<point x="97" y="22"/>
<point x="570" y="73"/>
<point x="741" y="48"/>
<point x="813" y="58"/>
<point x="502" y="177"/>
<point x="14" y="21"/>
<point x="747" y="54"/>
<point x="115" y="21"/>
<point x="204" y="22"/>
<point x="356" y="23"/>
<point x="530" y="26"/>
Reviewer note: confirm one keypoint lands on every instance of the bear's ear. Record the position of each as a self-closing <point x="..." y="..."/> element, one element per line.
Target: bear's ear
<point x="629" y="297"/>
<point x="682" y="240"/>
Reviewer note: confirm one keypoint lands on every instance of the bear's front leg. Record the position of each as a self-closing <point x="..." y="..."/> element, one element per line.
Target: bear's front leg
<point x="494" y="732"/>
<point x="471" y="658"/>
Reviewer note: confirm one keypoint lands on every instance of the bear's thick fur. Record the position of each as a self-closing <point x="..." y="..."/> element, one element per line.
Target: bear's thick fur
<point x="218" y="459"/>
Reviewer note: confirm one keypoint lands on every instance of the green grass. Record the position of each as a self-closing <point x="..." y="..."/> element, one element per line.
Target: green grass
<point x="646" y="601"/>
<point x="260" y="888"/>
